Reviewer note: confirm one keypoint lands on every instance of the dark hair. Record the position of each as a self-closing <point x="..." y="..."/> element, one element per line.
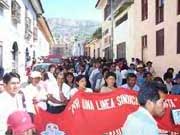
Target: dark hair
<point x="146" y="74"/>
<point x="105" y="70"/>
<point x="131" y="75"/>
<point x="168" y="75"/>
<point x="162" y="87"/>
<point x="79" y="77"/>
<point x="148" y="91"/>
<point x="52" y="65"/>
<point x="170" y="69"/>
<point x="45" y="76"/>
<point x="67" y="74"/>
<point x="108" y="75"/>
<point x="158" y="79"/>
<point x="8" y="76"/>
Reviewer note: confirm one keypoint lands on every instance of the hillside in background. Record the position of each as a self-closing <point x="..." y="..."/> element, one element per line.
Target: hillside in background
<point x="67" y="29"/>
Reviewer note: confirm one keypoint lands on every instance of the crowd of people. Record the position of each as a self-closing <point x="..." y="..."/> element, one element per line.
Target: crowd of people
<point x="51" y="90"/>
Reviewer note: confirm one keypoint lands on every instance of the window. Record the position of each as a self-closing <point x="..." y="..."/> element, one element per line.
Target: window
<point x="121" y="20"/>
<point x="160" y="42"/>
<point x="107" y="53"/>
<point x="178" y="7"/>
<point x="98" y="52"/>
<point x="121" y="50"/>
<point x="159" y="11"/>
<point x="144" y="41"/>
<point x="15" y="12"/>
<point x="107" y="10"/>
<point x="144" y="9"/>
<point x="1" y="53"/>
<point x="178" y="38"/>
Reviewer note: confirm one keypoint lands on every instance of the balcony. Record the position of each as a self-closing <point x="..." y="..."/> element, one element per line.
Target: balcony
<point x="28" y="32"/>
<point x="35" y="34"/>
<point x="120" y="5"/>
<point x="4" y="4"/>
<point x="16" y="12"/>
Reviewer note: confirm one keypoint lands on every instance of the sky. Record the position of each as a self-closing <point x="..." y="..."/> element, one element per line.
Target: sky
<point x="72" y="9"/>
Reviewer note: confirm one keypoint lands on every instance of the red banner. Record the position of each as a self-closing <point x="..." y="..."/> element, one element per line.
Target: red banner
<point x="100" y="114"/>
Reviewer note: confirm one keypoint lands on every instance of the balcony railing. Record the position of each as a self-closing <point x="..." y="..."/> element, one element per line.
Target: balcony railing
<point x="120" y="5"/>
<point x="28" y="32"/>
<point x="4" y="4"/>
<point x="16" y="12"/>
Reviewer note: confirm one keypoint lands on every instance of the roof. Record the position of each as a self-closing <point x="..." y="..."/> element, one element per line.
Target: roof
<point x="97" y="3"/>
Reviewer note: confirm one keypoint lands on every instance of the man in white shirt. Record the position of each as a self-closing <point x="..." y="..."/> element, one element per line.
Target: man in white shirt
<point x="35" y="93"/>
<point x="131" y="82"/>
<point x="10" y="99"/>
<point x="151" y="103"/>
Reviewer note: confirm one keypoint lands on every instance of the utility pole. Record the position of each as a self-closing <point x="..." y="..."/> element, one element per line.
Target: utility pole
<point x="112" y="31"/>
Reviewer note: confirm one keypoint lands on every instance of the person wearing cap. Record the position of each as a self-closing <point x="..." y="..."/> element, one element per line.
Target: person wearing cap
<point x="10" y="99"/>
<point x="140" y="74"/>
<point x="176" y="88"/>
<point x="20" y="123"/>
<point x="35" y="94"/>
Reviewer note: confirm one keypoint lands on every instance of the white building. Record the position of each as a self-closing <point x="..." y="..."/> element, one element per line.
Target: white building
<point x="19" y="34"/>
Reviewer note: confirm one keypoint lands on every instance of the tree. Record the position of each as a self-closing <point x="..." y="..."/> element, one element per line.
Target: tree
<point x="97" y="34"/>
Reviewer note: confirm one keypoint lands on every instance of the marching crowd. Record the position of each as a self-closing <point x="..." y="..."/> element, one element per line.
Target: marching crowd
<point x="51" y="90"/>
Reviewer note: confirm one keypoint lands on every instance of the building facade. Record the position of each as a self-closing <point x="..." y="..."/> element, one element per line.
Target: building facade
<point x="19" y="33"/>
<point x="158" y="33"/>
<point x="145" y="29"/>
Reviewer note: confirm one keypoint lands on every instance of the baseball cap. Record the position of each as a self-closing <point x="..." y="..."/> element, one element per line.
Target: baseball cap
<point x="19" y="121"/>
<point x="140" y="66"/>
<point x="35" y="74"/>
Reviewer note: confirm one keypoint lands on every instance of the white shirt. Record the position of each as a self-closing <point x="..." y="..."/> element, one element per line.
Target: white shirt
<point x="75" y="90"/>
<point x="8" y="105"/>
<point x="126" y="86"/>
<point x="66" y="89"/>
<point x="140" y="122"/>
<point x="37" y="92"/>
<point x="52" y="88"/>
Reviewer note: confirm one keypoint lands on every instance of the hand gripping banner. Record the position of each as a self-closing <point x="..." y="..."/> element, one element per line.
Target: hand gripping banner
<point x="101" y="114"/>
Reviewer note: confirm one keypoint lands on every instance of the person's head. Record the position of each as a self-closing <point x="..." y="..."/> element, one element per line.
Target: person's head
<point x="44" y="76"/>
<point x="131" y="80"/>
<point x="71" y="69"/>
<point x="177" y="78"/>
<point x="69" y="78"/>
<point x="149" y="98"/>
<point x="35" y="77"/>
<point x="105" y="71"/>
<point x="149" y="64"/>
<point x="132" y="59"/>
<point x="98" y="64"/>
<point x="60" y="78"/>
<point x="113" y="67"/>
<point x="110" y="79"/>
<point x="52" y="68"/>
<point x="11" y="83"/>
<point x="20" y="123"/>
<point x="158" y="80"/>
<point x="148" y="76"/>
<point x="170" y="70"/>
<point x="81" y="81"/>
<point x="168" y="77"/>
<point x="140" y="68"/>
<point x="132" y="66"/>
